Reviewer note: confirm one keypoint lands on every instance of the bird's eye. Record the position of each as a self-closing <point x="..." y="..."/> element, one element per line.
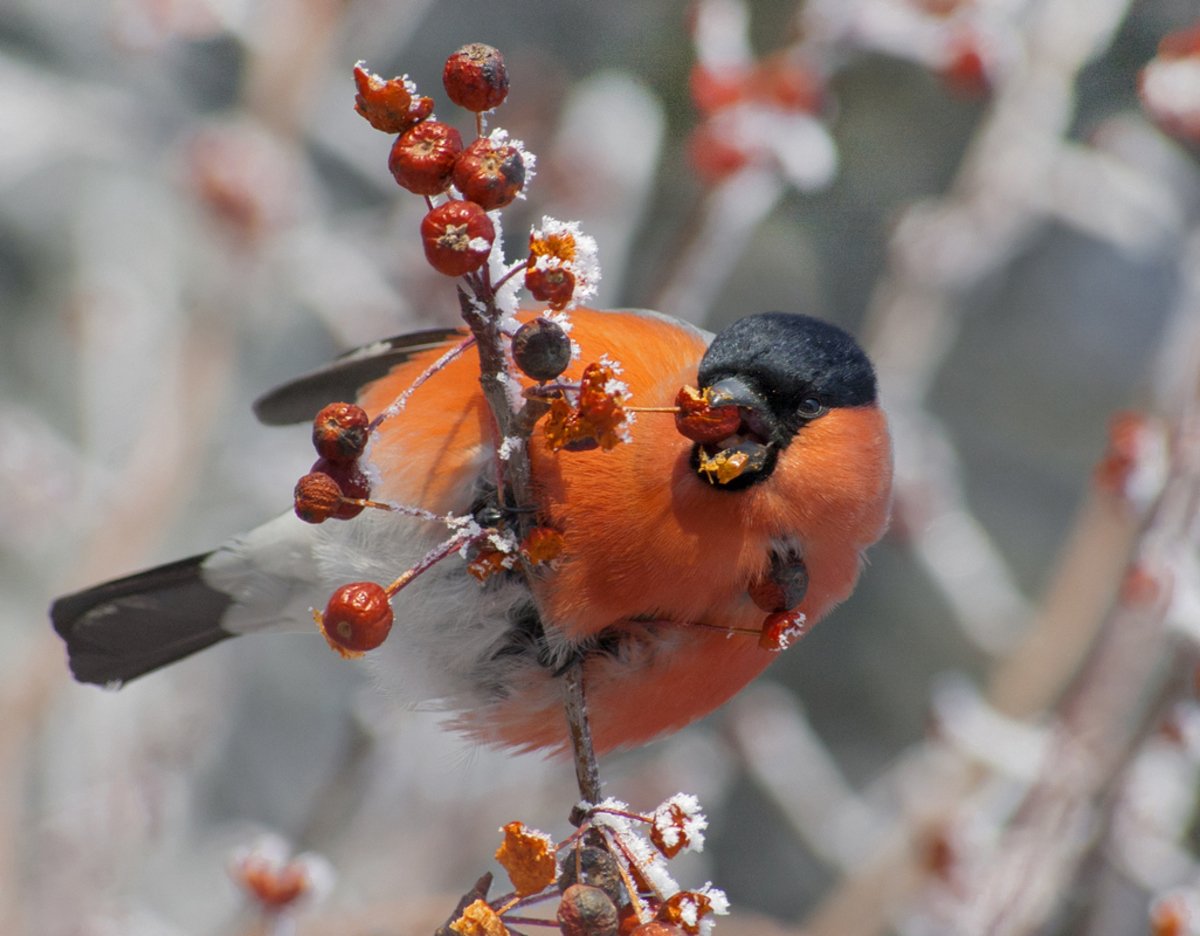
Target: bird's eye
<point x="811" y="408"/>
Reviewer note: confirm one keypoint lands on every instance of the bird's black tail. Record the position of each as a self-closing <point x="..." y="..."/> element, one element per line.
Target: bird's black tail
<point x="120" y="630"/>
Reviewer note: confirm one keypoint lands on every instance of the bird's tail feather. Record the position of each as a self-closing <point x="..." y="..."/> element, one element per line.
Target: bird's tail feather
<point x="123" y="629"/>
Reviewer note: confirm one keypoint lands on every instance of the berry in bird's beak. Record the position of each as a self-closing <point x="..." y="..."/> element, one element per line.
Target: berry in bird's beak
<point x="732" y="431"/>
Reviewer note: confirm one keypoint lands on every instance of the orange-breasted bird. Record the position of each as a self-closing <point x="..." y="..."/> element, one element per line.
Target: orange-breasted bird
<point x="660" y="557"/>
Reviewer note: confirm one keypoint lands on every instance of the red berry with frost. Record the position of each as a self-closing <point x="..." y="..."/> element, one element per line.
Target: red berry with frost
<point x="317" y="497"/>
<point x="552" y="285"/>
<point x="422" y="160"/>
<point x="475" y="77"/>
<point x="353" y="483"/>
<point x="358" y="617"/>
<point x="340" y="432"/>
<point x="457" y="237"/>
<point x="490" y="174"/>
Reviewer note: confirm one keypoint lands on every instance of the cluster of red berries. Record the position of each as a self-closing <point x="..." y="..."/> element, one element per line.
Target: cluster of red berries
<point x="359" y="615"/>
<point x="335" y="480"/>
<point x="429" y="157"/>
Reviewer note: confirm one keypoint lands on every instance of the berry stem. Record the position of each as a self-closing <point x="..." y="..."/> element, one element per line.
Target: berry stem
<point x="511" y="272"/>
<point x="587" y="771"/>
<point x="431" y="558"/>
<point x="401" y="401"/>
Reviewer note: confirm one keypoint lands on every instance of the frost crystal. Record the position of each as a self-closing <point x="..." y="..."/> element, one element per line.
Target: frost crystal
<point x="499" y="137"/>
<point x="561" y="245"/>
<point x="509" y="447"/>
<point x="678" y="825"/>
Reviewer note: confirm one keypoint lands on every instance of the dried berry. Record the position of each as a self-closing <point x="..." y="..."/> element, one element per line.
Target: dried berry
<point x="552" y="285"/>
<point x="593" y="866"/>
<point x="587" y="911"/>
<point x="357" y="618"/>
<point x="476" y="78"/>
<point x="317" y="497"/>
<point x="541" y="349"/>
<point x="340" y="432"/>
<point x="391" y="106"/>
<point x="422" y="160"/>
<point x="699" y="421"/>
<point x="490" y="174"/>
<point x="457" y="237"/>
<point x="350" y="478"/>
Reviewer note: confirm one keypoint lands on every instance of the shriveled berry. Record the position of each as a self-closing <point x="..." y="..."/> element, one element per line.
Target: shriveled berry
<point x="340" y="432"/>
<point x="457" y="237"/>
<point x="350" y="478"/>
<point x="541" y="349"/>
<point x="317" y="497"/>
<point x="552" y="285"/>
<point x="699" y="421"/>
<point x="587" y="911"/>
<point x="489" y="174"/>
<point x="476" y="78"/>
<point x="422" y="160"/>
<point x="597" y="868"/>
<point x="358" y="617"/>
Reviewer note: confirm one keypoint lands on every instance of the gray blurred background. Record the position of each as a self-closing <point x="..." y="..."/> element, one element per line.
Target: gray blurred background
<point x="191" y="212"/>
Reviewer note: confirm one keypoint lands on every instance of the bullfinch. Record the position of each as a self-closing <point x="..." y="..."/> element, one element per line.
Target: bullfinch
<point x="653" y="592"/>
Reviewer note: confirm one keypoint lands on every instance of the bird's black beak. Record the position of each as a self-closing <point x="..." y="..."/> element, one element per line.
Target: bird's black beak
<point x="747" y="455"/>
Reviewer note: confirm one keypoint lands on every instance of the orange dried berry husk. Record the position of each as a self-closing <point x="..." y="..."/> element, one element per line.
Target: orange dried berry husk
<point x="528" y="857"/>
<point x="722" y="468"/>
<point x="600" y="409"/>
<point x="699" y="421"/>
<point x="656" y="836"/>
<point x="487" y="562"/>
<point x="672" y="910"/>
<point x="478" y="919"/>
<point x="543" y="545"/>
<point x="388" y="105"/>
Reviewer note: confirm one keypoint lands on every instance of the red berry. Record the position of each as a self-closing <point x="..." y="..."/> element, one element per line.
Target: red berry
<point x="782" y="629"/>
<point x="488" y="174"/>
<point x="475" y="77"/>
<point x="424" y="158"/>
<point x="699" y="421"/>
<point x="340" y="432"/>
<point x="350" y="479"/>
<point x="551" y="285"/>
<point x="357" y="618"/>
<point x="317" y="497"/>
<point x="457" y="237"/>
